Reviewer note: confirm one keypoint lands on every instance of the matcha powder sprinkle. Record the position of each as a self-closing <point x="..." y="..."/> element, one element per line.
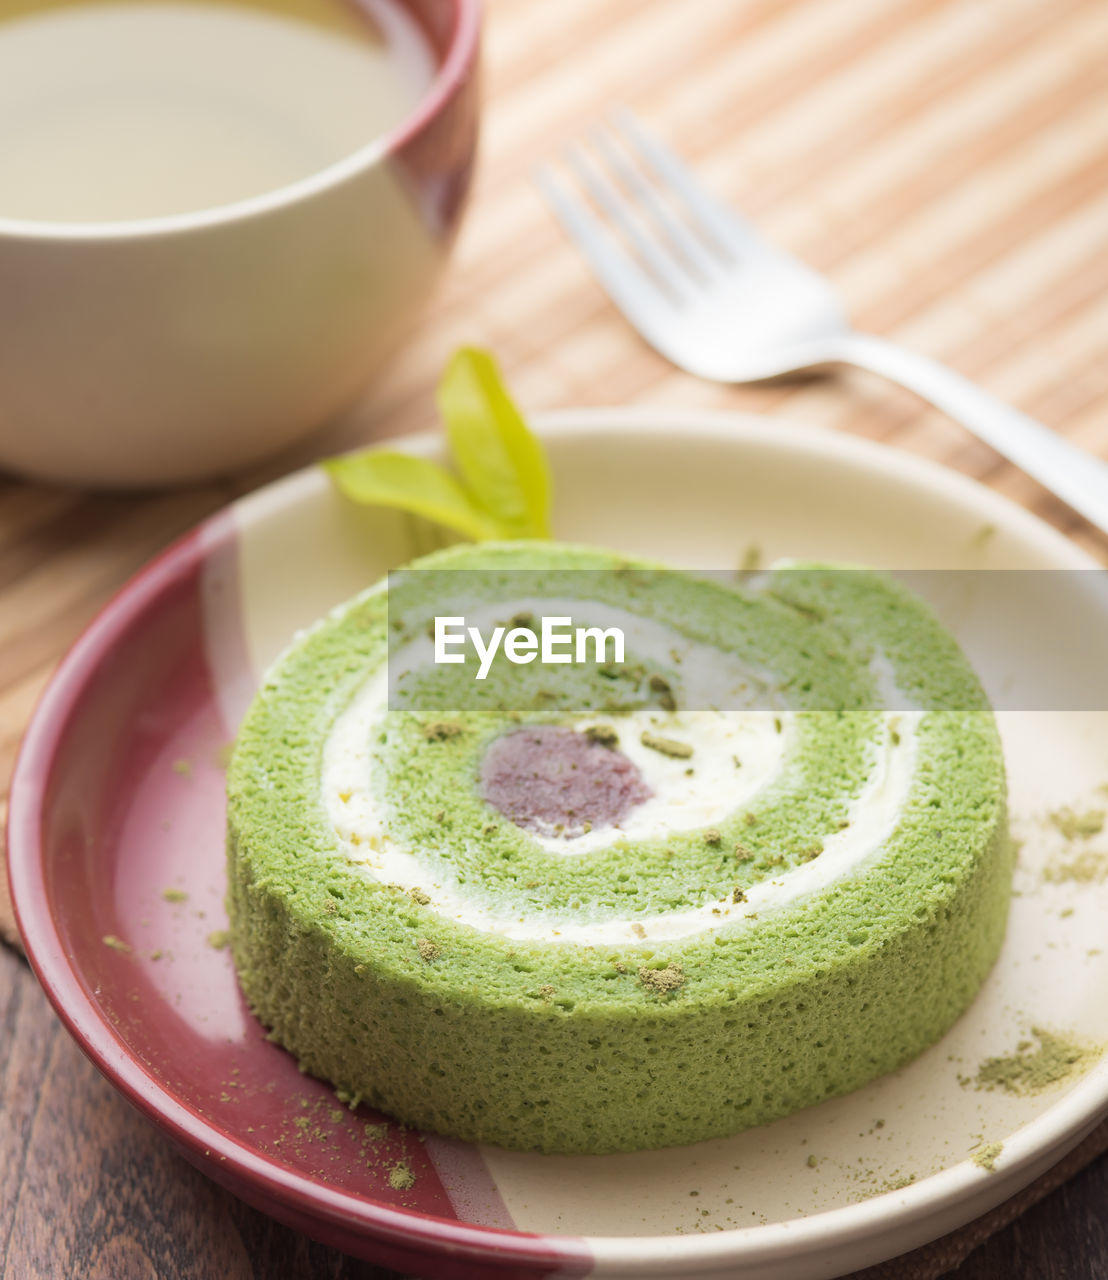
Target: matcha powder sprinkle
<point x="663" y="981"/>
<point x="1031" y="1070"/>
<point x="985" y="1156"/>
<point x="401" y="1178"/>
<point x="666" y="746"/>
<point x="1076" y="826"/>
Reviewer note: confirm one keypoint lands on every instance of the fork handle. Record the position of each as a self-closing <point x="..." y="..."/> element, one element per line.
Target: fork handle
<point x="1077" y="477"/>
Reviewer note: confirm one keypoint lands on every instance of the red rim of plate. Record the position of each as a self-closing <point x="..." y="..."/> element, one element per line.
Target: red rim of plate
<point x="210" y="1144"/>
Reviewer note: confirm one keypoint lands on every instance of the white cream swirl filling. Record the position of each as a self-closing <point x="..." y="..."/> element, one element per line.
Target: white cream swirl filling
<point x="717" y="786"/>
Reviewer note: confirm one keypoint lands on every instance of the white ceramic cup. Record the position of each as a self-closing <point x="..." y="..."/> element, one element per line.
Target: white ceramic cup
<point x="181" y="348"/>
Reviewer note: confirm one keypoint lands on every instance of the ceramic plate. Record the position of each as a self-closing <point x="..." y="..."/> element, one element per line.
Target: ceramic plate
<point x="116" y="832"/>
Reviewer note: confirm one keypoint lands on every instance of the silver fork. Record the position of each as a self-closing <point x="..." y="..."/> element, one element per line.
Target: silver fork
<point x="708" y="292"/>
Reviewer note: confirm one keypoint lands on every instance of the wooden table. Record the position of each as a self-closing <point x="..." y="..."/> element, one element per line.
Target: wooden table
<point x="946" y="163"/>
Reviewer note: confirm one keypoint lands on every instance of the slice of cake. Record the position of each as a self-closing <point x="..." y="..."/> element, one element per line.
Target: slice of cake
<point x="610" y="905"/>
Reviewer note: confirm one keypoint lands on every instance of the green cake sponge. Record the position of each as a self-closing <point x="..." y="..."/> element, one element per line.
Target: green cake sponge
<point x="782" y="868"/>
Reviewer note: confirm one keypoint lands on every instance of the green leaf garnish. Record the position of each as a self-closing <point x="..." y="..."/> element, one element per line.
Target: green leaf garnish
<point x="385" y="478"/>
<point x="504" y="489"/>
<point x="501" y="462"/>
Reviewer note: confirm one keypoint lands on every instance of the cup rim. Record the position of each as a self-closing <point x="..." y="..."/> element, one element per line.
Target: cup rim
<point x="455" y="65"/>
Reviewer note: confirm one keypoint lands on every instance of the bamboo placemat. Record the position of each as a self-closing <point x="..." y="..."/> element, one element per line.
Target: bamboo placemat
<point x="945" y="162"/>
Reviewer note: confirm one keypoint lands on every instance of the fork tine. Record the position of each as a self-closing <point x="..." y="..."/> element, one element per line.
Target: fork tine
<point x="691" y="247"/>
<point x="670" y="273"/>
<point x="730" y="232"/>
<point x="629" y="287"/>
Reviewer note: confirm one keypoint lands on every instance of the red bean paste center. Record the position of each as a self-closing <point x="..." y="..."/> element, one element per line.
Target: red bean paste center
<point x="555" y="781"/>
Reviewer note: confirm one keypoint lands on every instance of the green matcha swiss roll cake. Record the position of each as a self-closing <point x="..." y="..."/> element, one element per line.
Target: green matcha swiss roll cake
<point x="615" y="904"/>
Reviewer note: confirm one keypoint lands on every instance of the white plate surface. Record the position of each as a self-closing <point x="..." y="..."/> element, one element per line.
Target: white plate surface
<point x="892" y="1165"/>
